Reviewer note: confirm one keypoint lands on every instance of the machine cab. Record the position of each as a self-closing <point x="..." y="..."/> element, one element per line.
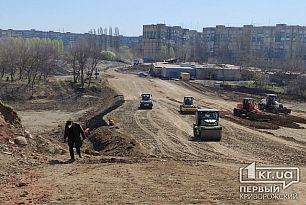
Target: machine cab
<point x="146" y="101"/>
<point x="206" y="117"/>
<point x="271" y="99"/>
<point x="188" y="100"/>
<point x="248" y="103"/>
<point x="146" y="97"/>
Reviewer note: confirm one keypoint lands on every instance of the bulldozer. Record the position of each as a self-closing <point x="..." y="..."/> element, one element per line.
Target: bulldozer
<point x="249" y="110"/>
<point x="206" y="126"/>
<point x="272" y="104"/>
<point x="188" y="105"/>
<point x="146" y="101"/>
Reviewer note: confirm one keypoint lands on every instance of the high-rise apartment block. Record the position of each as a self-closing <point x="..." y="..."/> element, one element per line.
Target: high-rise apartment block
<point x="156" y="36"/>
<point x="236" y="45"/>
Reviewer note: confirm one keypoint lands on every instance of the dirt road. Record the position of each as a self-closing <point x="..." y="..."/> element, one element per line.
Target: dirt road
<point x="168" y="134"/>
<point x="171" y="132"/>
<point x="179" y="170"/>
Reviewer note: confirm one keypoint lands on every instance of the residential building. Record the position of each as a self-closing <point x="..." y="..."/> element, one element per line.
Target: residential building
<point x="160" y="42"/>
<point x="256" y="46"/>
<point x="68" y="38"/>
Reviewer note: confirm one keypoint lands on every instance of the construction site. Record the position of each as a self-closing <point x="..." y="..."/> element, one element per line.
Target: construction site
<point x="170" y="142"/>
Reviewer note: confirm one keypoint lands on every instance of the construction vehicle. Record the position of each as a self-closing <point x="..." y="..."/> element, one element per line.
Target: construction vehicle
<point x="249" y="110"/>
<point x="188" y="105"/>
<point x="146" y="101"/>
<point x="206" y="126"/>
<point x="272" y="104"/>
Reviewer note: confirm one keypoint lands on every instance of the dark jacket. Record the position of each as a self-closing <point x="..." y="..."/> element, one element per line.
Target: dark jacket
<point x="73" y="133"/>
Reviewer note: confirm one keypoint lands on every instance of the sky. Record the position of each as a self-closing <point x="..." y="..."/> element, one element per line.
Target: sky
<point x="129" y="16"/>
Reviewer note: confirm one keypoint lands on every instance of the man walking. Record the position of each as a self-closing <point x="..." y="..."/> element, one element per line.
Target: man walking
<point x="72" y="132"/>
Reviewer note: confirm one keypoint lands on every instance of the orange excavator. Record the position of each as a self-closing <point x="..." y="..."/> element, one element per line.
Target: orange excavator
<point x="249" y="110"/>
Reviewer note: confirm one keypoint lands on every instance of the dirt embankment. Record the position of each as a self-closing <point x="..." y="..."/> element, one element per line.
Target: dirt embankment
<point x="61" y="96"/>
<point x="273" y="122"/>
<point x="92" y="104"/>
<point x="19" y="184"/>
<point x="10" y="124"/>
<point x="113" y="142"/>
<point x="20" y="152"/>
<point x="9" y="114"/>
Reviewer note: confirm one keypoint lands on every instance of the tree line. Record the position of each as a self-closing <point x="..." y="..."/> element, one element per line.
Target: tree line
<point x="33" y="60"/>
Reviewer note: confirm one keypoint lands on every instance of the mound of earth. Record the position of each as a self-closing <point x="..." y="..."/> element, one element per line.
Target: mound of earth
<point x="5" y="130"/>
<point x="111" y="142"/>
<point x="9" y="114"/>
<point x="274" y="122"/>
<point x="289" y="121"/>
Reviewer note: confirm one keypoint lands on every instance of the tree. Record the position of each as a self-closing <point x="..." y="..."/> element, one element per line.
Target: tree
<point x="167" y="52"/>
<point x="84" y="57"/>
<point x="125" y="53"/>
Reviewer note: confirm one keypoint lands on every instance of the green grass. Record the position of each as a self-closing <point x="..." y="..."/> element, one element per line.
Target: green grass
<point x="7" y="105"/>
<point x="277" y="89"/>
<point x="250" y="84"/>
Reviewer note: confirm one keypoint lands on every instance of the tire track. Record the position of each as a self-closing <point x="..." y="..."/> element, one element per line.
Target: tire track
<point x="148" y="140"/>
<point x="169" y="137"/>
<point x="218" y="148"/>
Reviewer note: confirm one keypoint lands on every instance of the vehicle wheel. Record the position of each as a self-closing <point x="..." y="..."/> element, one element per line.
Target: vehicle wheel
<point x="237" y="112"/>
<point x="195" y="133"/>
<point x="275" y="111"/>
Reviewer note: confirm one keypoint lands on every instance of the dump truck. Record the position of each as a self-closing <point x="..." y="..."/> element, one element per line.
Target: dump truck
<point x="146" y="101"/>
<point x="206" y="126"/>
<point x="249" y="110"/>
<point x="188" y="105"/>
<point x="271" y="103"/>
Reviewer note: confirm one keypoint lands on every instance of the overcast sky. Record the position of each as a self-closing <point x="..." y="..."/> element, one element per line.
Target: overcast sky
<point x="129" y="15"/>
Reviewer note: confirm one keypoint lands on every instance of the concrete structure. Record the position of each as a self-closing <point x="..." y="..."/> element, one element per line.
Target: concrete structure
<point x="159" y="36"/>
<point x="172" y="71"/>
<point x="131" y="42"/>
<point x="249" y="44"/>
<point x="218" y="72"/>
<point x="200" y="72"/>
<point x="67" y="38"/>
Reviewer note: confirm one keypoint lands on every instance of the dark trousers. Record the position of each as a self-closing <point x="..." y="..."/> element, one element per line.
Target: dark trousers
<point x="77" y="143"/>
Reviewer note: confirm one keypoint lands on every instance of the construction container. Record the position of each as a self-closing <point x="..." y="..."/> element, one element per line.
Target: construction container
<point x="185" y="76"/>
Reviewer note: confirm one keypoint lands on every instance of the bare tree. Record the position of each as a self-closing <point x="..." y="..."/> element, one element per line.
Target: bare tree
<point x="94" y="58"/>
<point x="84" y="57"/>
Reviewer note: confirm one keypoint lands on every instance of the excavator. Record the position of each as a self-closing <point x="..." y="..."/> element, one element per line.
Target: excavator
<point x="249" y="110"/>
<point x="188" y="105"/>
<point x="206" y="126"/>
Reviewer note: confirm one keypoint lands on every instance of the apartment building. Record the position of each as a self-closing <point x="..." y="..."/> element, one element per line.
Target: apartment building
<point x="157" y="35"/>
<point x="237" y="44"/>
<point x="67" y="37"/>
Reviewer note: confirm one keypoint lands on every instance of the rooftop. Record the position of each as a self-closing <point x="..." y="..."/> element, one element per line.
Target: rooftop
<point x="195" y="65"/>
